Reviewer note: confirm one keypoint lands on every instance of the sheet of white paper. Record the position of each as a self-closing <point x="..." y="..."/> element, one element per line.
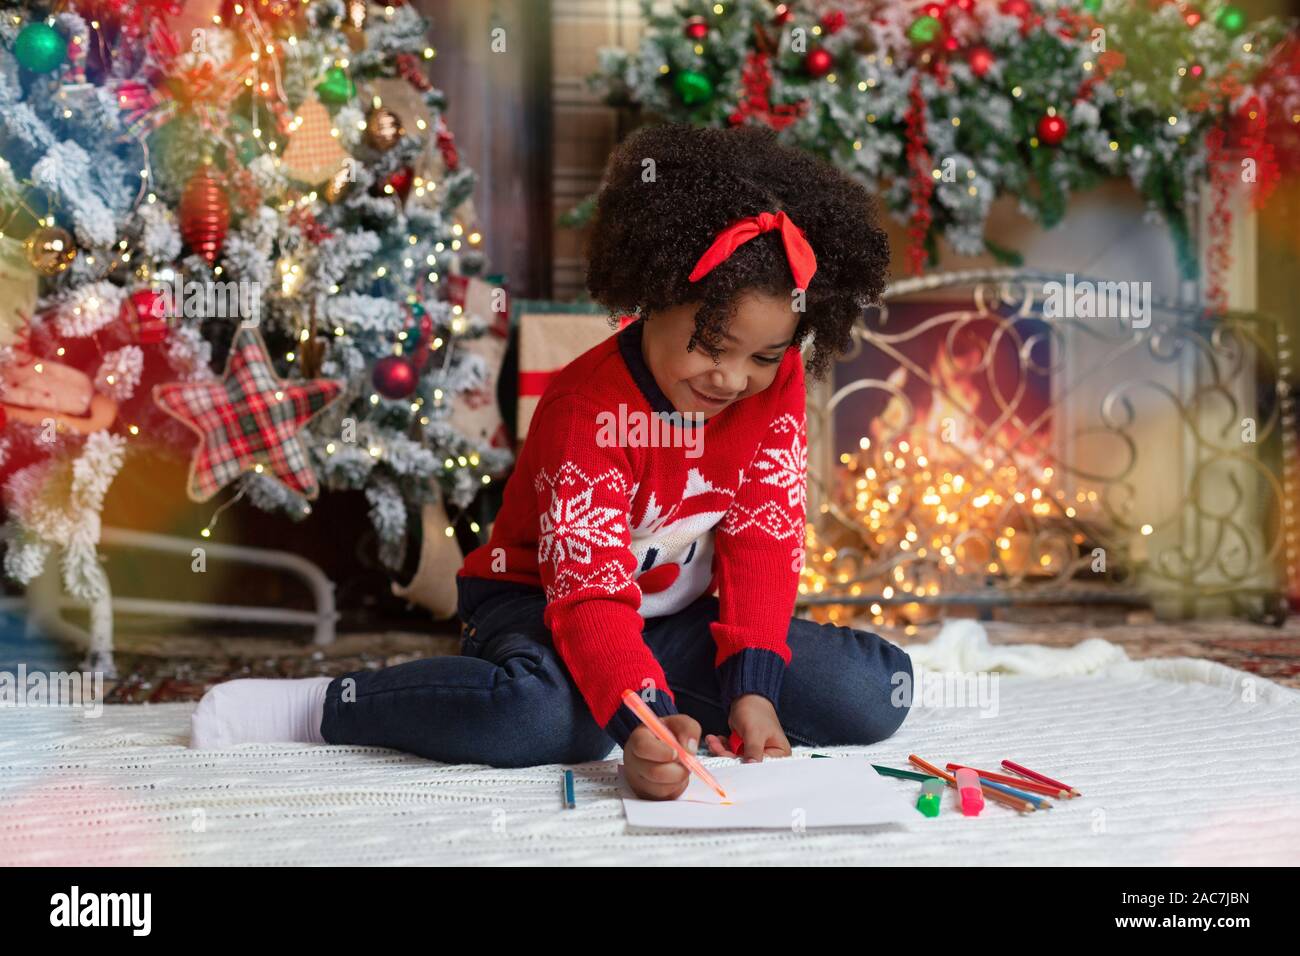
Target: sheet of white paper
<point x="778" y="793"/>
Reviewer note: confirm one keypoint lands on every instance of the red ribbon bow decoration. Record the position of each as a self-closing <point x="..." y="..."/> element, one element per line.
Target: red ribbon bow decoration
<point x="803" y="264"/>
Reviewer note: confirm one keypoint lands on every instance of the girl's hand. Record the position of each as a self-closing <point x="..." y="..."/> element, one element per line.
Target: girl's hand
<point x="754" y="718"/>
<point x="652" y="768"/>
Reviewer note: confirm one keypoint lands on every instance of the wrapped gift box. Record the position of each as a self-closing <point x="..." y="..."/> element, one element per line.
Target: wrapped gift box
<point x="551" y="335"/>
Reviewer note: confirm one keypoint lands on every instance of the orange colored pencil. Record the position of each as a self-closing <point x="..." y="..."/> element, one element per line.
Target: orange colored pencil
<point x="660" y="730"/>
<point x="1034" y="775"/>
<point x="1033" y="786"/>
<point x="1015" y="803"/>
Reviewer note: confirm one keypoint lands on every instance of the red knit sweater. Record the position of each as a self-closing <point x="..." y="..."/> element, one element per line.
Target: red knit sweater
<point x="618" y="531"/>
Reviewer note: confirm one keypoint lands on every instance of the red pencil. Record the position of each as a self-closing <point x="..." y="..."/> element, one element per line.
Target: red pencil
<point x="1033" y="775"/>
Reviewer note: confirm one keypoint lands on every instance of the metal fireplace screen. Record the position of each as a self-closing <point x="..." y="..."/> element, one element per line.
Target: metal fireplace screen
<point x="1004" y="437"/>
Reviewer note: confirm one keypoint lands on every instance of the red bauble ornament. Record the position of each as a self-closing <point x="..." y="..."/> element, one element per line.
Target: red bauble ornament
<point x="394" y="376"/>
<point x="400" y="179"/>
<point x="144" y="313"/>
<point x="819" y="62"/>
<point x="933" y="10"/>
<point x="1051" y="130"/>
<point x="204" y="214"/>
<point x="697" y="28"/>
<point x="782" y="15"/>
<point x="833" y="22"/>
<point x="980" y="60"/>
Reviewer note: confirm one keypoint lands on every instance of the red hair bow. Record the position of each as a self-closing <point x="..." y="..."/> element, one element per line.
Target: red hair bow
<point x="803" y="264"/>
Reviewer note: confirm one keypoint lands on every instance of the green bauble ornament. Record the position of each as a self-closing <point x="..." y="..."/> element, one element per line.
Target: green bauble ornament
<point x="247" y="151"/>
<point x="337" y="87"/>
<point x="923" y="30"/>
<point x="1092" y="6"/>
<point x="247" y="148"/>
<point x="693" y="87"/>
<point x="1230" y="20"/>
<point x="41" y="48"/>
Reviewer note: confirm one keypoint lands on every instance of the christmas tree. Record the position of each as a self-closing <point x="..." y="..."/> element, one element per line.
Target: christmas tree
<point x="942" y="106"/>
<point x="257" y="234"/>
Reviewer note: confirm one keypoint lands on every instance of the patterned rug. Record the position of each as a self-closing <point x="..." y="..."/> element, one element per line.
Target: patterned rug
<point x="167" y="666"/>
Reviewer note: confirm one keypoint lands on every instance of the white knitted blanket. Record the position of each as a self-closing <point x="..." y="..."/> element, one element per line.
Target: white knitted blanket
<point x="1179" y="761"/>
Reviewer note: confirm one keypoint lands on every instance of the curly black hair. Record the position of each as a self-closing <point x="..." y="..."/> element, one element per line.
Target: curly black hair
<point x="648" y="232"/>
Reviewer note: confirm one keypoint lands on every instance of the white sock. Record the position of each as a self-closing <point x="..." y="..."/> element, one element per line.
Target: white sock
<point x="258" y="710"/>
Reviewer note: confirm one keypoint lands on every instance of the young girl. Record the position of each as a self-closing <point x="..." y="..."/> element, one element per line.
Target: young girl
<point x="621" y="521"/>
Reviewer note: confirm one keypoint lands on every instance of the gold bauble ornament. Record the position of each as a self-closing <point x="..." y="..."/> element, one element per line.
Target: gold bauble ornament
<point x="50" y="250"/>
<point x="383" y="128"/>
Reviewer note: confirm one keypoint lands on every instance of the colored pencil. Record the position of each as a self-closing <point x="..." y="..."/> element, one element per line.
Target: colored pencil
<point x="1031" y="785"/>
<point x="660" y="730"/>
<point x="1034" y="775"/>
<point x="1015" y="803"/>
<point x="902" y="774"/>
<point x="1039" y="802"/>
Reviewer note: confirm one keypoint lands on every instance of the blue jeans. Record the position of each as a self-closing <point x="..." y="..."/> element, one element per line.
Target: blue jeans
<point x="508" y="699"/>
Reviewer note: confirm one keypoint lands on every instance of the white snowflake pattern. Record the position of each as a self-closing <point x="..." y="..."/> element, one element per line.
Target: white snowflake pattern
<point x="572" y="526"/>
<point x="788" y="468"/>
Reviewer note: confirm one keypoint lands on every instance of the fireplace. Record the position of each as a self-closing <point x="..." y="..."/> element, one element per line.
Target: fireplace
<point x="984" y="446"/>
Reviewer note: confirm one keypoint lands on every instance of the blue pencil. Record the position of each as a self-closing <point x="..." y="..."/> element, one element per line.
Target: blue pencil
<point x="1038" y="802"/>
<point x="569" y="801"/>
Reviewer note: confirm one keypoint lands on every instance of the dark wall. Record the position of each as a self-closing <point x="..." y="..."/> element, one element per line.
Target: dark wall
<point x="499" y="109"/>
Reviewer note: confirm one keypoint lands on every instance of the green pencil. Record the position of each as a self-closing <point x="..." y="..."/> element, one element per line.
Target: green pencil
<point x="903" y="774"/>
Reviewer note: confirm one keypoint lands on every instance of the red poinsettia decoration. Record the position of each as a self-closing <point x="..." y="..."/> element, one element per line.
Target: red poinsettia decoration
<point x="204" y="89"/>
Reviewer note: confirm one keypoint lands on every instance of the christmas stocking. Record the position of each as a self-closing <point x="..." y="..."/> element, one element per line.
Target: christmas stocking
<point x="434" y="584"/>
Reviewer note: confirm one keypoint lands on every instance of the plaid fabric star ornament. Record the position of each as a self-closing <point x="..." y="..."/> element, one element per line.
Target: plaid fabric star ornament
<point x="313" y="154"/>
<point x="248" y="418"/>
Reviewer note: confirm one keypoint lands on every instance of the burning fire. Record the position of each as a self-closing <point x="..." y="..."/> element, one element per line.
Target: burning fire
<point x="941" y="503"/>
